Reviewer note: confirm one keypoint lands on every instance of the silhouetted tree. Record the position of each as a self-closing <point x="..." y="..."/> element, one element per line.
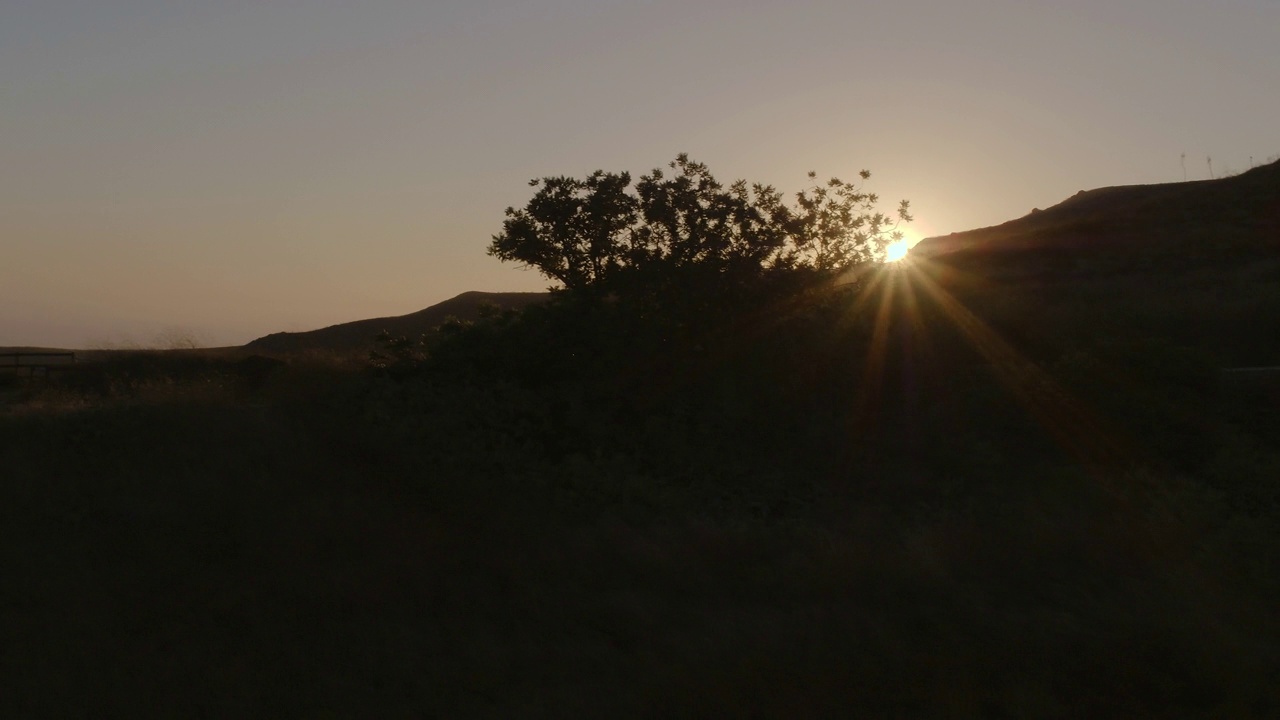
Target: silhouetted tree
<point x="573" y="230"/>
<point x="688" y="229"/>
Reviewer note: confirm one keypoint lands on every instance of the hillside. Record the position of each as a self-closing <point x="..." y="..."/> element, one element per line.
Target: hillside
<point x="1195" y="264"/>
<point x="1202" y="220"/>
<point x="4" y="350"/>
<point x="360" y="334"/>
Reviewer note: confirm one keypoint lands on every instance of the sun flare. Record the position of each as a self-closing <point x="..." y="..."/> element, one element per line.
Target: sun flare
<point x="896" y="250"/>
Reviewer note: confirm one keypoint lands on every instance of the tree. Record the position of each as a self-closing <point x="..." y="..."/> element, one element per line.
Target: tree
<point x="572" y="230"/>
<point x="687" y="229"/>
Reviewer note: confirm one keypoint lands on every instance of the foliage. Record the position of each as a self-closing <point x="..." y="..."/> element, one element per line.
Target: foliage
<point x="688" y="230"/>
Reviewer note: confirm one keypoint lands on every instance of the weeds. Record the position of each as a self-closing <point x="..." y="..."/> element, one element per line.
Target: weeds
<point x="469" y="533"/>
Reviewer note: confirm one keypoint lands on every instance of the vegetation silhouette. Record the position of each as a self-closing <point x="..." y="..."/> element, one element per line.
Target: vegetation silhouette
<point x="1009" y="479"/>
<point x="688" y="233"/>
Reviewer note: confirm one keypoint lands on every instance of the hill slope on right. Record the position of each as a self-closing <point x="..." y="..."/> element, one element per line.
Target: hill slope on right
<point x="1194" y="263"/>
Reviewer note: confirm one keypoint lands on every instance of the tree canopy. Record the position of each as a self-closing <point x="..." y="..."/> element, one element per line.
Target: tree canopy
<point x="601" y="233"/>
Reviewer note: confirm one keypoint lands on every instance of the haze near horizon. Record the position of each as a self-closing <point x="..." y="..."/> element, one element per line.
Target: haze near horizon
<point x="236" y="169"/>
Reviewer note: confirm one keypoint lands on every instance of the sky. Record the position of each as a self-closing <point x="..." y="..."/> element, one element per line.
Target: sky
<point x="234" y="168"/>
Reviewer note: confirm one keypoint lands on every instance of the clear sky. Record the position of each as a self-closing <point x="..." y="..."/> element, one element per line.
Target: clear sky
<point x="240" y="167"/>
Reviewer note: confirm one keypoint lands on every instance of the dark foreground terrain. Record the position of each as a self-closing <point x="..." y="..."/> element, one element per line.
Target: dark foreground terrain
<point x="955" y="489"/>
<point x="182" y="537"/>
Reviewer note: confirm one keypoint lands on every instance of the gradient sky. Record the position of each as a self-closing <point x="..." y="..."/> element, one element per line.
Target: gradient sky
<point x="238" y="167"/>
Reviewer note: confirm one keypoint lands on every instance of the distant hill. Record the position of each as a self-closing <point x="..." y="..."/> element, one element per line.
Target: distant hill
<point x="1196" y="264"/>
<point x="361" y="334"/>
<point x="1197" y="222"/>
<point x="29" y="349"/>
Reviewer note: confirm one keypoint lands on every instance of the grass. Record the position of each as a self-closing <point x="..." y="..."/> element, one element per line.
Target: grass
<point x="181" y="536"/>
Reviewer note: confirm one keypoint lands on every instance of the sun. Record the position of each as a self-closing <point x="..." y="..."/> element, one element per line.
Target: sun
<point x="901" y="242"/>
<point x="896" y="250"/>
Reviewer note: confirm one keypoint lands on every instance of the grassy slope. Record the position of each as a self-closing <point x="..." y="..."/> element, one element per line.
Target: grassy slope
<point x="1168" y="218"/>
<point x="1197" y="264"/>
<point x="317" y="546"/>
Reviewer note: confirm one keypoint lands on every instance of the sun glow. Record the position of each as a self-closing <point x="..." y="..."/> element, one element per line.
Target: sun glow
<point x="908" y="301"/>
<point x="896" y="250"/>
